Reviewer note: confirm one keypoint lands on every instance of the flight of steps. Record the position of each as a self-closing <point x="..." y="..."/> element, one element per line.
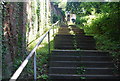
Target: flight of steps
<point x="74" y="41"/>
<point x="75" y="57"/>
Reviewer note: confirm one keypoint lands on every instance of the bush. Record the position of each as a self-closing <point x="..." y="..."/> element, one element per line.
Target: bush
<point x="105" y="28"/>
<point x="56" y="18"/>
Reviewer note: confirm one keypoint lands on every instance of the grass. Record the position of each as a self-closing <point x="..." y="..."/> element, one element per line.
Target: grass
<point x="80" y="71"/>
<point x="42" y="59"/>
<point x="43" y="55"/>
<point x="42" y="63"/>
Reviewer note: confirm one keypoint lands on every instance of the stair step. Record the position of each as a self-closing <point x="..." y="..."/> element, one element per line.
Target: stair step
<point x="61" y="29"/>
<point x="80" y="52"/>
<point x="80" y="70"/>
<point x="67" y="35"/>
<point x="74" y="36"/>
<point x="70" y="32"/>
<point x="67" y="30"/>
<point x="80" y="58"/>
<point x="72" y="44"/>
<point x="76" y="29"/>
<point x="81" y="63"/>
<point x="85" y="36"/>
<point x="64" y="26"/>
<point x="64" y="29"/>
<point x="75" y="76"/>
<point x="64" y="33"/>
<point x="65" y="47"/>
<point x="78" y="47"/>
<point x="72" y="40"/>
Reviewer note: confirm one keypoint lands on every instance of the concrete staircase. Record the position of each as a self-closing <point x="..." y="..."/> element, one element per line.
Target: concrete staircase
<point x="75" y="57"/>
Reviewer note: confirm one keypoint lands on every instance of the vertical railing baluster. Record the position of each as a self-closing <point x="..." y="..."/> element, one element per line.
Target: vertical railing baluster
<point x="57" y="26"/>
<point x="53" y="31"/>
<point x="49" y="42"/>
<point x="35" y="72"/>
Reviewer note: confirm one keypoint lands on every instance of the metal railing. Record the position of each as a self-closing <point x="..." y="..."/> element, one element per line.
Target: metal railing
<point x="33" y="52"/>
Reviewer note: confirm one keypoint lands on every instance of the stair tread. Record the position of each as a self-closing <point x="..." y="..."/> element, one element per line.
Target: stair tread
<point x="80" y="56"/>
<point x="79" y="67"/>
<point x="75" y="77"/>
<point x="76" y="52"/>
<point x="79" y="75"/>
<point x="83" y="61"/>
<point x="79" y="51"/>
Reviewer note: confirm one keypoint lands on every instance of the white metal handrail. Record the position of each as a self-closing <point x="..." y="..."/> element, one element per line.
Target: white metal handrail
<point x="33" y="52"/>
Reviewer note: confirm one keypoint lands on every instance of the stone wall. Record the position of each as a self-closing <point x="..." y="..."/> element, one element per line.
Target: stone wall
<point x="13" y="35"/>
<point x="23" y="23"/>
<point x="55" y="10"/>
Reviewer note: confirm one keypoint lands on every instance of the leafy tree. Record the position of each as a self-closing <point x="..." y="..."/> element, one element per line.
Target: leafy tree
<point x="100" y="19"/>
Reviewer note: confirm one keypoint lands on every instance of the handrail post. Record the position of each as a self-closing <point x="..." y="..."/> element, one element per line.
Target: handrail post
<point x="53" y="31"/>
<point x="49" y="42"/>
<point x="35" y="72"/>
<point x="57" y="27"/>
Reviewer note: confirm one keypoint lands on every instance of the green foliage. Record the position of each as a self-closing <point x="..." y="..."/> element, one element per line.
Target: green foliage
<point x="56" y="18"/>
<point x="100" y="20"/>
<point x="80" y="20"/>
<point x="73" y="7"/>
<point x="105" y="28"/>
<point x="42" y="60"/>
<point x="80" y="71"/>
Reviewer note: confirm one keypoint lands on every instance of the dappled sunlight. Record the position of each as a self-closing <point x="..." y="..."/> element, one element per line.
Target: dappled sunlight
<point x="71" y="31"/>
<point x="91" y="17"/>
<point x="45" y="41"/>
<point x="71" y="23"/>
<point x="59" y="39"/>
